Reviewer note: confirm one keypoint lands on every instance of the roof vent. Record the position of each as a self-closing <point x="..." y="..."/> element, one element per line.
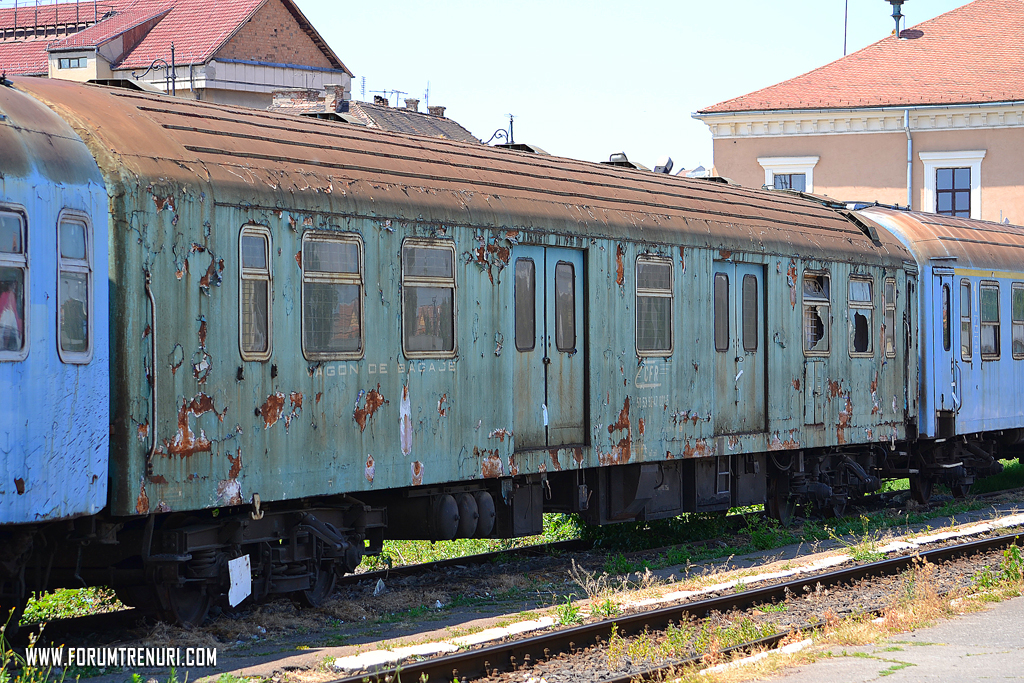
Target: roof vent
<point x="664" y="165"/>
<point x="620" y="159"/>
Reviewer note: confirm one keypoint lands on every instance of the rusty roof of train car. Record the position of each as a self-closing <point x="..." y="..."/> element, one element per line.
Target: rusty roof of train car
<point x="260" y="159"/>
<point x="981" y="245"/>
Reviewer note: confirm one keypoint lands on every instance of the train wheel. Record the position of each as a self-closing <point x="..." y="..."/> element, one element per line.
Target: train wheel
<point x="186" y="605"/>
<point x="960" y="490"/>
<point x="322" y="582"/>
<point x="921" y="488"/>
<point x="780" y="505"/>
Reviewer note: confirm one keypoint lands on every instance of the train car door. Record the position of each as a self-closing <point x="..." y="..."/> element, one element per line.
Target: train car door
<point x="549" y="347"/>
<point x="945" y="393"/>
<point x="740" y="371"/>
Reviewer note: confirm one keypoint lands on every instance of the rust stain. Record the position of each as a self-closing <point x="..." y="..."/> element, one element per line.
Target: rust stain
<point x="699" y="449"/>
<point x="181" y="271"/>
<point x="620" y="452"/>
<point x="202" y="333"/>
<point x="142" y="502"/>
<point x="734" y="441"/>
<point x="271" y="409"/>
<point x="554" y="459"/>
<point x="19" y="484"/>
<point x="834" y="389"/>
<point x="490" y="254"/>
<point x="491" y="466"/>
<point x="417" y="473"/>
<point x="143" y="431"/>
<point x="577" y="455"/>
<point x="513" y="468"/>
<point x="640" y="426"/>
<point x="669" y="456"/>
<point x="229" y="492"/>
<point x="371" y="469"/>
<point x="236" y="464"/>
<point x="724" y="253"/>
<point x="791" y="281"/>
<point x="319" y="395"/>
<point x="500" y="434"/>
<point x="777" y="444"/>
<point x="620" y="268"/>
<point x="147" y="331"/>
<point x="374" y="400"/>
<point x="296" y="400"/>
<point x="298" y="258"/>
<point x="874" y="383"/>
<point x="157" y="479"/>
<point x="213" y="274"/>
<point x="185" y="442"/>
<point x="682" y="259"/>
<point x="796" y="384"/>
<point x="164" y="202"/>
<point x="845" y="414"/>
<point x="442" y="409"/>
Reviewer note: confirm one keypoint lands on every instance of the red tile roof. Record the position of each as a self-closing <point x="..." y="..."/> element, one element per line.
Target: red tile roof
<point x="198" y="28"/>
<point x="110" y="28"/>
<point x="972" y="54"/>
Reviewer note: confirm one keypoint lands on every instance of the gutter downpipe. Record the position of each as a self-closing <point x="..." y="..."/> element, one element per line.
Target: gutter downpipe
<point x="910" y="160"/>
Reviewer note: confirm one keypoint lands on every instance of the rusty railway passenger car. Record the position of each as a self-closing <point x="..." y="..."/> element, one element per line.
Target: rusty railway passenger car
<point x="322" y="336"/>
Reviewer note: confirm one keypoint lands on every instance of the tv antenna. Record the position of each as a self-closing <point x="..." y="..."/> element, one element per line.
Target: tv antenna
<point x="389" y="93"/>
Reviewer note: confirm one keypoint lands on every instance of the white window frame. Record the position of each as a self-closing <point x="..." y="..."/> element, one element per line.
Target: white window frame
<point x="21" y="262"/>
<point x="655" y="293"/>
<point x="257" y="274"/>
<point x="77" y="266"/>
<point x="313" y="276"/>
<point x="785" y="165"/>
<point x="422" y="281"/>
<point x="964" y="159"/>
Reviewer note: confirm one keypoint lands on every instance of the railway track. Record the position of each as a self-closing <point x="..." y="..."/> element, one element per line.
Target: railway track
<point x="512" y="655"/>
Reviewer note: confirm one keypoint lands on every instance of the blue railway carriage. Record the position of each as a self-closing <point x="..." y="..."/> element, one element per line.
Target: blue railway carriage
<point x="323" y="335"/>
<point x="971" y="300"/>
<point x="53" y="330"/>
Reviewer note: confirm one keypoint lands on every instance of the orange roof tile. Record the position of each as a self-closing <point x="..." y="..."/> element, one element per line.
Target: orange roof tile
<point x="972" y="54"/>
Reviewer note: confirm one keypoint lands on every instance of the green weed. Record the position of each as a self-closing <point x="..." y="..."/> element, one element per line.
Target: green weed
<point x="567" y="613"/>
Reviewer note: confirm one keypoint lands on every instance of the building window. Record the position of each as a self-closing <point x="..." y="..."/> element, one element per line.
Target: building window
<point x="953" y="192"/>
<point x="862" y="306"/>
<point x="526" y="304"/>
<point x="789" y="173"/>
<point x="653" y="306"/>
<point x="1017" y="311"/>
<point x="72" y="62"/>
<point x="790" y="181"/>
<point x="750" y="312"/>
<point x="332" y="295"/>
<point x="13" y="285"/>
<point x="889" y="311"/>
<point x="255" y="302"/>
<point x="74" y="291"/>
<point x="959" y="194"/>
<point x="721" y="312"/>
<point x="565" y="307"/>
<point x="428" y="295"/>
<point x="989" y="305"/>
<point x="966" y="352"/>
<point x="817" y="319"/>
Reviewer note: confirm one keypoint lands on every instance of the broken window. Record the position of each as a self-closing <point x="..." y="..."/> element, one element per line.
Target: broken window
<point x="966" y="351"/>
<point x="74" y="291"/>
<point x="653" y="306"/>
<point x="13" y="275"/>
<point x="724" y="470"/>
<point x="817" y="319"/>
<point x="526" y="304"/>
<point x="721" y="312"/>
<point x="750" y="312"/>
<point x="428" y="294"/>
<point x="1017" y="316"/>
<point x="862" y="307"/>
<point x="255" y="300"/>
<point x="565" y="307"/>
<point x="332" y="294"/>
<point x="989" y="294"/>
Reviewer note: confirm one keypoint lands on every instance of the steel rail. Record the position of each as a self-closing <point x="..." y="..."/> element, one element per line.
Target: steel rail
<point x="508" y="656"/>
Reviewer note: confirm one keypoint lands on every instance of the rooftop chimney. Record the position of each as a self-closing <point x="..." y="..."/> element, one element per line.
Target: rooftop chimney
<point x="436" y="111"/>
<point x="381" y="100"/>
<point x="412" y="104"/>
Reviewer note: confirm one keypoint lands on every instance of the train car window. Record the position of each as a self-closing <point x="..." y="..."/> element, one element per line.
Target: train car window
<point x="74" y="291"/>
<point x="13" y="283"/>
<point x="653" y="306"/>
<point x="889" y="311"/>
<point x="862" y="306"/>
<point x="966" y="352"/>
<point x="946" y="335"/>
<point x="565" y="306"/>
<point x="428" y="296"/>
<point x="526" y="304"/>
<point x="1017" y="316"/>
<point x="255" y="300"/>
<point x="721" y="312"/>
<point x="332" y="295"/>
<point x="724" y="469"/>
<point x="817" y="294"/>
<point x="750" y="313"/>
<point x="989" y="305"/>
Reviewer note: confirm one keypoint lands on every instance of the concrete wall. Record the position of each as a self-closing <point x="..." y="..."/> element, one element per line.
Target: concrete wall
<point x="873" y="166"/>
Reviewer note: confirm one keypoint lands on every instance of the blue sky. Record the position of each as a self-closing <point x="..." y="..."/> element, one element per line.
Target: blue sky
<point x="585" y="79"/>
